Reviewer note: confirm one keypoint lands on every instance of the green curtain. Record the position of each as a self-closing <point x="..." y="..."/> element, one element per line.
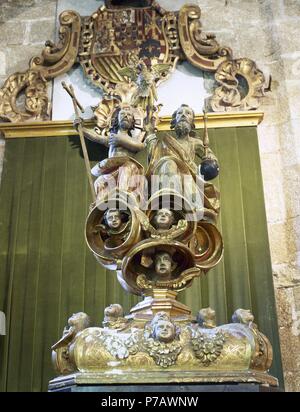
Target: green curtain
<point x="47" y="272"/>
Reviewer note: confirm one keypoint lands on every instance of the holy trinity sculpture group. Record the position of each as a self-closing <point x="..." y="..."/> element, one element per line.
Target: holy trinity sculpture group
<point x="154" y="221"/>
<point x="155" y="224"/>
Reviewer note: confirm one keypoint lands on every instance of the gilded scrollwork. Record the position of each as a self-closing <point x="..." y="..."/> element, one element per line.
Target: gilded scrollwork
<point x="110" y="232"/>
<point x="207" y="245"/>
<point x="146" y="285"/>
<point x="58" y="59"/>
<point x="264" y="352"/>
<point x="111" y="40"/>
<point x="230" y="95"/>
<point x="201" y="49"/>
<point x="37" y="105"/>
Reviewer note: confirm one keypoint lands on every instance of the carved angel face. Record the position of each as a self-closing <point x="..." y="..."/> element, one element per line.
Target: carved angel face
<point x="113" y="218"/>
<point x="207" y="313"/>
<point x="164" y="219"/>
<point x="163" y="264"/>
<point x="245" y="315"/>
<point x="113" y="310"/>
<point x="164" y="331"/>
<point x="79" y="320"/>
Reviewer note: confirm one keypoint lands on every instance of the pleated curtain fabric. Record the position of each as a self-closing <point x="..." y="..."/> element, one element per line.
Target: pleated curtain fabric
<point x="47" y="272"/>
<point x="2" y="323"/>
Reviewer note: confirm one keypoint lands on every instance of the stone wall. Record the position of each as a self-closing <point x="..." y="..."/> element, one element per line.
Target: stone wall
<point x="25" y="25"/>
<point x="267" y="32"/>
<point x="280" y="156"/>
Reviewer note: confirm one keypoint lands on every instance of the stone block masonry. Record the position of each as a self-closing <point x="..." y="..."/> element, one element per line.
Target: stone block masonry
<point x="25" y="25"/>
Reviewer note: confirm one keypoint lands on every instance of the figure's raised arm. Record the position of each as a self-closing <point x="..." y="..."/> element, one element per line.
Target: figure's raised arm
<point x="92" y="134"/>
<point x="126" y="141"/>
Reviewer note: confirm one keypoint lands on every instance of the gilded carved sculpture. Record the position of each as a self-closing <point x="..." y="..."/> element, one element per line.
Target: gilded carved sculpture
<point x="158" y="247"/>
<point x="206" y="318"/>
<point x="120" y="164"/>
<point x="60" y="350"/>
<point x="172" y="158"/>
<point x="115" y="229"/>
<point x="111" y="231"/>
<point x="114" y="317"/>
<point x="159" y="236"/>
<point x="108" y="44"/>
<point x="167" y="350"/>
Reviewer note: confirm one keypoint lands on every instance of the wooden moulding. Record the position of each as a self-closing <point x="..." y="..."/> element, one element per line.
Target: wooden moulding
<point x="57" y="128"/>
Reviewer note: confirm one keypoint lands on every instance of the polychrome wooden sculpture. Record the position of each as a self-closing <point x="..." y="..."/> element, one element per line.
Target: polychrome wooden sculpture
<point x="156" y="226"/>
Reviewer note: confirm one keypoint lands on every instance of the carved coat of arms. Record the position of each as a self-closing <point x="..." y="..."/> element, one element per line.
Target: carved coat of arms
<point x="114" y="38"/>
<point x="117" y="36"/>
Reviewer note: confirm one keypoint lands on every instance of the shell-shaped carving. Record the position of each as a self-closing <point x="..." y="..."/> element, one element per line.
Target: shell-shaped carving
<point x="207" y="245"/>
<point x="104" y="113"/>
<point x="111" y="245"/>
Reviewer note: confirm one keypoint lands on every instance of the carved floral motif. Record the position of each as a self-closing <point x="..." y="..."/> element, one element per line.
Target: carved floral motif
<point x="207" y="347"/>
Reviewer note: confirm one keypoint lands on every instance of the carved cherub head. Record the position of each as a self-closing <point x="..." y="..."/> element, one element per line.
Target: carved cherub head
<point x="113" y="218"/>
<point x="163" y="219"/>
<point x="183" y="120"/>
<point x="243" y="316"/>
<point x="162" y="328"/>
<point x="206" y="318"/>
<point x="79" y="321"/>
<point x="113" y="311"/>
<point x="164" y="264"/>
<point x="114" y="317"/>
